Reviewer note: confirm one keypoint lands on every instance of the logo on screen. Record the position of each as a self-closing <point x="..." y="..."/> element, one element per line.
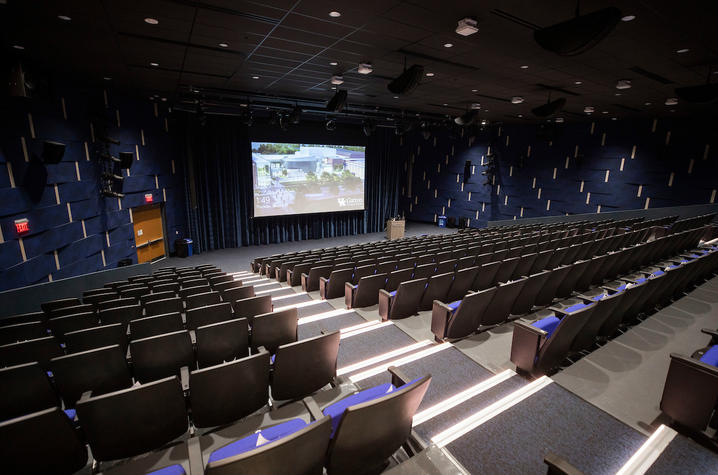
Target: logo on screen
<point x="342" y="201"/>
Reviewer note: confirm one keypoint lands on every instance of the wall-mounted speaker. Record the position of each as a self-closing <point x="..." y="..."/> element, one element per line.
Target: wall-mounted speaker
<point x="35" y="179"/>
<point x="338" y="101"/>
<point x="407" y="81"/>
<point x="126" y="159"/>
<point x="52" y="152"/>
<point x="578" y="34"/>
<point x="467" y="171"/>
<point x="463" y="223"/>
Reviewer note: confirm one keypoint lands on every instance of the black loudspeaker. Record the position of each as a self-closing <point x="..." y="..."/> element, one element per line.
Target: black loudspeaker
<point x="337" y="103"/>
<point x="408" y="80"/>
<point x="468" y="118"/>
<point x="126" y="159"/>
<point x="52" y="152"/>
<point x="578" y="34"/>
<point x="700" y="94"/>
<point x="550" y="108"/>
<point x="124" y="262"/>
<point x="451" y="222"/>
<point x="467" y="171"/>
<point x="35" y="179"/>
<point x="463" y="223"/>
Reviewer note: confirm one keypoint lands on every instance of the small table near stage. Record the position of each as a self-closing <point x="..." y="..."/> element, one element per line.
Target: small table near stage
<point x="395" y="229"/>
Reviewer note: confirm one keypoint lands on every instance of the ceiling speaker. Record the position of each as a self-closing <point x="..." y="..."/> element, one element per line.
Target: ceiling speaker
<point x="408" y="80"/>
<point x="578" y="34"/>
<point x="126" y="159"/>
<point x="703" y="93"/>
<point x="337" y="103"/>
<point x="550" y="108"/>
<point x="52" y="152"/>
<point x="35" y="179"/>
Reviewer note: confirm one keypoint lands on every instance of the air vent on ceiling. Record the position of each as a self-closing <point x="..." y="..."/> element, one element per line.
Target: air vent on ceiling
<point x="650" y="75"/>
<point x="557" y="89"/>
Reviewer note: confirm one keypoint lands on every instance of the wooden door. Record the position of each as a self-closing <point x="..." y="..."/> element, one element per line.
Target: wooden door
<point x="149" y="233"/>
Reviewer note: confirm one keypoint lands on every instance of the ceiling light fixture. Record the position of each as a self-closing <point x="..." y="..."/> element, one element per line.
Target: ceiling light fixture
<point x="623" y="84"/>
<point x="617" y="94"/>
<point x="604" y="112"/>
<point x="520" y="115"/>
<point x="647" y="104"/>
<point x="107" y="78"/>
<point x="431" y="75"/>
<point x="154" y="64"/>
<point x="152" y="21"/>
<point x="337" y="79"/>
<point x="223" y="45"/>
<point x="614" y="118"/>
<point x="682" y="50"/>
<point x="20" y="47"/>
<point x="448" y="45"/>
<point x="474" y="90"/>
<point x="524" y="66"/>
<point x="475" y="106"/>
<point x="64" y="17"/>
<point x="588" y="109"/>
<point x="467" y="26"/>
<point x="333" y="63"/>
<point x="559" y="120"/>
<point x="396" y="97"/>
<point x="365" y="68"/>
<point x="628" y="18"/>
<point x="445" y="104"/>
<point x="335" y="14"/>
<point x="255" y="77"/>
<point x="671" y="101"/>
<point x="517" y="100"/>
<point x="578" y="83"/>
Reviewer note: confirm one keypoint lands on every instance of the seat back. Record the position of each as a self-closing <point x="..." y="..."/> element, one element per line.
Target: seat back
<point x="70" y="323"/>
<point x="335" y="284"/>
<point x="147" y="298"/>
<point x="312" y="282"/>
<point x="161" y="356"/>
<point x="238" y="293"/>
<point x="97" y="337"/>
<point x="218" y="279"/>
<point x="370" y="432"/>
<point x="72" y="310"/>
<point x="115" y="303"/>
<point x="397" y="277"/>
<point x="541" y="261"/>
<point x="185" y="292"/>
<point x="101" y="371"/>
<point x="367" y="291"/>
<point x="486" y="277"/>
<point x="223" y="341"/>
<point x="524" y="265"/>
<point x="155" y="325"/>
<point x="224" y="286"/>
<point x="447" y="266"/>
<point x="229" y="391"/>
<point x="527" y="297"/>
<point x="604" y="309"/>
<point x="407" y="299"/>
<point x="97" y="297"/>
<point x="22" y="332"/>
<point x="49" y="307"/>
<point x="249" y="307"/>
<point x="25" y="389"/>
<point x="161" y="307"/>
<point x="386" y="266"/>
<point x="548" y="291"/>
<point x="502" y="303"/>
<point x="363" y="271"/>
<point x="467" y="318"/>
<point x="39" y="349"/>
<point x="462" y="283"/>
<point x="121" y="315"/>
<point x="271" y="330"/>
<point x="215" y="313"/>
<point x="162" y="286"/>
<point x="42" y="442"/>
<point x="424" y="271"/>
<point x="133" y="421"/>
<point x="305" y="366"/>
<point x="437" y="289"/>
<point x="556" y="348"/>
<point x="506" y="269"/>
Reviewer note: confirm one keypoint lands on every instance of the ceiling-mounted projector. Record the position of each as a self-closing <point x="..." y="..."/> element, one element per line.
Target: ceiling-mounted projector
<point x="671" y="101"/>
<point x="578" y="34"/>
<point x="337" y="79"/>
<point x="467" y="26"/>
<point x="517" y="100"/>
<point x="407" y="81"/>
<point x="702" y="93"/>
<point x="549" y="108"/>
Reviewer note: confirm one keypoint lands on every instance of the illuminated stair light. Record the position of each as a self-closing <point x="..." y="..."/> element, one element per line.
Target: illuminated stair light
<point x="382" y="357"/>
<point x="644" y="457"/>
<point x="463" y="396"/>
<point x="399" y="362"/>
<point x="475" y="420"/>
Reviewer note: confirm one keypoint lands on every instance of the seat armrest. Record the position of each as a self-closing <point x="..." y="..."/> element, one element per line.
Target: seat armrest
<point x="384" y="304"/>
<point x="313" y="408"/>
<point x="398" y="377"/>
<point x="323" y="279"/>
<point x="712" y="333"/>
<point x="323" y="287"/>
<point x="305" y="281"/>
<point x="349" y="290"/>
<point x="194" y="454"/>
<point x="85" y="396"/>
<point x="440" y="314"/>
<point x="184" y="378"/>
<point x="525" y="345"/>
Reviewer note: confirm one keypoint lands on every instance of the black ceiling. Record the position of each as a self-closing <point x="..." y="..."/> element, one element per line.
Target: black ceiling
<point x="289" y="45"/>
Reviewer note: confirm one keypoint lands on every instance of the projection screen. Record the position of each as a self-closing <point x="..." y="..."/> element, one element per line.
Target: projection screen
<point x="292" y="178"/>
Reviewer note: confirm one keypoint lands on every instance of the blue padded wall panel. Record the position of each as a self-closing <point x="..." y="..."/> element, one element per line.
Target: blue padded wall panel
<point x="28" y="272"/>
<point x="88" y="208"/>
<point x="85" y="266"/>
<point x="41" y="219"/>
<point x="77" y="191"/>
<point x="62" y="172"/>
<point x="121" y="234"/>
<point x="116" y="219"/>
<point x="10" y="254"/>
<point x="80" y="249"/>
<point x="48" y="241"/>
<point x="133" y="184"/>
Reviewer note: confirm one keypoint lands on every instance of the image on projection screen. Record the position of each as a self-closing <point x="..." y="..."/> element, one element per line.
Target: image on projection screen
<point x="292" y="178"/>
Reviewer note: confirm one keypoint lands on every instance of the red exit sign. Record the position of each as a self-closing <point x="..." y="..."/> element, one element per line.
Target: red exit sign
<point x="22" y="226"/>
<point x="148" y="198"/>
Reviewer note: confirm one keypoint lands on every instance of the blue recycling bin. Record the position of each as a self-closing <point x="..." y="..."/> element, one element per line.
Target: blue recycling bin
<point x="441" y="221"/>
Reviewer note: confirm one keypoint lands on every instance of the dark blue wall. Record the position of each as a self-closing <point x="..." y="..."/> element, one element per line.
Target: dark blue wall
<point x="650" y="163"/>
<point x="73" y="230"/>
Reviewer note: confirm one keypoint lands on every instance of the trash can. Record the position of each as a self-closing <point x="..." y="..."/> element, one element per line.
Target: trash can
<point x="183" y="247"/>
<point x="441" y="221"/>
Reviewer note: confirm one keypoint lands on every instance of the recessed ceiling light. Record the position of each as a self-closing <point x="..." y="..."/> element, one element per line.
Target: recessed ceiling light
<point x="588" y="109"/>
<point x="335" y="14"/>
<point x="559" y="120"/>
<point x="255" y="77"/>
<point x="396" y="97"/>
<point x="614" y="118"/>
<point x="64" y="17"/>
<point x="445" y="104"/>
<point x="164" y="99"/>
<point x="486" y="110"/>
<point x="628" y="18"/>
<point x="671" y="101"/>
<point x="431" y="75"/>
<point x="647" y="104"/>
<point x="333" y="63"/>
<point x="578" y="83"/>
<point x="107" y="78"/>
<point x="673" y="110"/>
<point x="517" y="100"/>
<point x="154" y="64"/>
<point x="20" y="47"/>
<point x="682" y="50"/>
<point x="223" y="45"/>
<point x="520" y="115"/>
<point x="604" y="112"/>
<point x="524" y="66"/>
<point x="448" y="45"/>
<point x="474" y="90"/>
<point x="152" y="21"/>
<point x="617" y="94"/>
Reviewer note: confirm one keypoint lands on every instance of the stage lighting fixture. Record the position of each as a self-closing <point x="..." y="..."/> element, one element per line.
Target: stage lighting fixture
<point x="368" y="127"/>
<point x="559" y="120"/>
<point x="283" y="120"/>
<point x="425" y="130"/>
<point x="331" y="125"/>
<point x="578" y="34"/>
<point x="549" y="108"/>
<point x="588" y="110"/>
<point x="468" y="118"/>
<point x="365" y="68"/>
<point x="338" y="101"/>
<point x="407" y="81"/>
<point x="296" y="115"/>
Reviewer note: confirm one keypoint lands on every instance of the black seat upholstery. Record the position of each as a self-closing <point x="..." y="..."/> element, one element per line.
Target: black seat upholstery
<point x="155" y="325"/>
<point x="22" y="332"/>
<point x="223" y="341"/>
<point x="501" y="305"/>
<point x="486" y="277"/>
<point x="161" y="356"/>
<point x="463" y="279"/>
<point x="271" y="330"/>
<point x="39" y="349"/>
<point x="49" y="307"/>
<point x="121" y="315"/>
<point x="147" y="298"/>
<point x="25" y="389"/>
<point x="218" y="312"/>
<point x="97" y="337"/>
<point x="161" y="307"/>
<point x="71" y="323"/>
<point x="224" y="286"/>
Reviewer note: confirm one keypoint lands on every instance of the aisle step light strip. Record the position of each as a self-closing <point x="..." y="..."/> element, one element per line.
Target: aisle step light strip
<point x="324" y="316"/>
<point x="365" y="328"/>
<point x="382" y="357"/>
<point x="308" y="303"/>
<point x="475" y="420"/>
<point x="281" y="297"/>
<point x="461" y="397"/>
<point x="399" y="362"/>
<point x="649" y="452"/>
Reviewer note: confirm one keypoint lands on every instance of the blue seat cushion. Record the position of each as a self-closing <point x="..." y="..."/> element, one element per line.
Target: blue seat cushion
<point x="658" y="272"/>
<point x="622" y="287"/>
<point x="576" y="307"/>
<point x="70" y="413"/>
<point x="600" y="297"/>
<point x="454" y="305"/>
<point x="392" y="293"/>
<point x="641" y="280"/>
<point x="547" y="324"/>
<point x="258" y="439"/>
<point x="711" y="356"/>
<point x="336" y="410"/>
<point x="171" y="470"/>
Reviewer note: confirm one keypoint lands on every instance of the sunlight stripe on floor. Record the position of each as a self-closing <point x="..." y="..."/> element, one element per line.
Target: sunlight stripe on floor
<point x="649" y="452"/>
<point x="308" y="303"/>
<point x="282" y="297"/>
<point x="382" y="357"/>
<point x="366" y="328"/>
<point x="398" y="362"/>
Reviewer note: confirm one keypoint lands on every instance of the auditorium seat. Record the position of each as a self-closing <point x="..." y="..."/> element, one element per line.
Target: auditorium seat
<point x="223" y="341"/>
<point x="310" y="280"/>
<point x="161" y="307"/>
<point x="72" y="310"/>
<point x="541" y="262"/>
<point x="22" y="332"/>
<point x="186" y="292"/>
<point x="304" y="367"/>
<point x="154" y="296"/>
<point x="25" y="389"/>
<point x="446" y="266"/>
<point x="134" y="292"/>
<point x="224" y="286"/>
<point x="403" y="302"/>
<point x="96" y="298"/>
<point x="23" y="318"/>
<point x="361" y="271"/>
<point x="270" y="330"/>
<point x="165" y="286"/>
<point x="365" y="293"/>
<point x="526" y="299"/>
<point x="424" y="271"/>
<point x="49" y="307"/>
<point x="101" y="371"/>
<point x="461" y="318"/>
<point x="384" y="267"/>
<point x="114" y="303"/>
<point x="218" y="279"/>
<point x="70" y="323"/>
<point x="133" y="421"/>
<point x="333" y="286"/>
<point x="43" y="442"/>
<point x="486" y="276"/>
<point x="396" y="277"/>
<point x="524" y="265"/>
<point x="462" y="283"/>
<point x="208" y="314"/>
<point x="506" y="269"/>
<point x="437" y="287"/>
<point x="97" y="337"/>
<point x="155" y="325"/>
<point x="568" y="283"/>
<point x="201" y="300"/>
<point x="123" y="314"/>
<point x="161" y="356"/>
<point x="548" y="291"/>
<point x="294" y="275"/>
<point x="605" y="306"/>
<point x="501" y="305"/>
<point x="39" y="349"/>
<point x="238" y="293"/>
<point x="251" y="306"/>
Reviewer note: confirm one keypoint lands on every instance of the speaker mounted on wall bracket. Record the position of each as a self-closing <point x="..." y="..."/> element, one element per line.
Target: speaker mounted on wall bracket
<point x="35" y="179"/>
<point x="52" y="152"/>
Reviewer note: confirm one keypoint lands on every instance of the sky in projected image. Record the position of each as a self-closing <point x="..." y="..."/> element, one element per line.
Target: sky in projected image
<point x="291" y="178"/>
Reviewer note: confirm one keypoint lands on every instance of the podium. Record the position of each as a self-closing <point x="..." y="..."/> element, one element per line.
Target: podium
<point x="395" y="229"/>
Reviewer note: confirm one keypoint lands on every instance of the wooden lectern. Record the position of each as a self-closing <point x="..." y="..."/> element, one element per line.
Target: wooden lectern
<point x="395" y="229"/>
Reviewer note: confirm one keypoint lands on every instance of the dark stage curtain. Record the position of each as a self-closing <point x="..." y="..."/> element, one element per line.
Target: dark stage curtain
<point x="218" y="182"/>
